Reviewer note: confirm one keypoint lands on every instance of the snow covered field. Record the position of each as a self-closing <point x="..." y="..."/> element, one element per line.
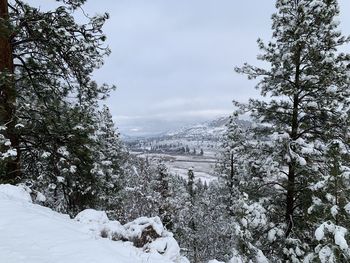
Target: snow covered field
<point x="203" y="166"/>
<point x="34" y="234"/>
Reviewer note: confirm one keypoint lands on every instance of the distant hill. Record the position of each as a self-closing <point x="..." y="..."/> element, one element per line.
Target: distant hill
<point x="191" y="139"/>
<point x="210" y="130"/>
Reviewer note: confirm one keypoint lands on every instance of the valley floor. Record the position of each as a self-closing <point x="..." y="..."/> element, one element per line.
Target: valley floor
<point x="203" y="166"/>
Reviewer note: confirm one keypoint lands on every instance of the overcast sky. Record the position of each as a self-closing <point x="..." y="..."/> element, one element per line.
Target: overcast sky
<point x="173" y="60"/>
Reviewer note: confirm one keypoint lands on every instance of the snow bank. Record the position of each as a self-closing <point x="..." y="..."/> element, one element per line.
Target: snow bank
<point x="17" y="193"/>
<point x="91" y="216"/>
<point x="34" y="234"/>
<point x="148" y="234"/>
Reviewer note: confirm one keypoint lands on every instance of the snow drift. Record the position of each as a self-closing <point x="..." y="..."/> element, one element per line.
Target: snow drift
<point x="34" y="234"/>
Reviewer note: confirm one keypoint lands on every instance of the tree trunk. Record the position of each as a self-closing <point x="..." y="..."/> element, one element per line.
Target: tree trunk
<point x="230" y="185"/>
<point x="290" y="199"/>
<point x="12" y="171"/>
<point x="294" y="134"/>
<point x="291" y="172"/>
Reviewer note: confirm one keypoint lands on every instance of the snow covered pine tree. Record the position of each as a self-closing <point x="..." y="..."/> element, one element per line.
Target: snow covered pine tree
<point x="300" y="124"/>
<point x="53" y="129"/>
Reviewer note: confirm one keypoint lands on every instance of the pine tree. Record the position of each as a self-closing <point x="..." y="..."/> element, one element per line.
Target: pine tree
<point x="192" y="218"/>
<point x="108" y="163"/>
<point x="330" y="208"/>
<point x="63" y="169"/>
<point x="233" y="211"/>
<point x="308" y="86"/>
<point x="9" y="142"/>
<point x="190" y="185"/>
<point x="163" y="188"/>
<point x="230" y="161"/>
<point x="53" y="102"/>
<point x="137" y="196"/>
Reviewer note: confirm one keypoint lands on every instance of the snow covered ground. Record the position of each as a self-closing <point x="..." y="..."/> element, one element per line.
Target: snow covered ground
<point x="202" y="166"/>
<point x="30" y="233"/>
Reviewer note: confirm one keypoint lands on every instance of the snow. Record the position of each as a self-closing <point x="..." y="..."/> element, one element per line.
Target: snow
<point x="97" y="223"/>
<point x="260" y="257"/>
<point x="136" y="227"/>
<point x="271" y="236"/>
<point x="326" y="255"/>
<point x="347" y="208"/>
<point x="9" y="153"/>
<point x="334" y="211"/>
<point x="167" y="246"/>
<point x="338" y="232"/>
<point x="63" y="151"/>
<point x="16" y="193"/>
<point x="319" y="233"/>
<point x="256" y="215"/>
<point x="34" y="234"/>
<point x="298" y="251"/>
<point x="203" y="166"/>
<point x="40" y="197"/>
<point x="235" y="259"/>
<point x="339" y="237"/>
<point x="78" y="127"/>
<point x="60" y="179"/>
<point x="332" y="89"/>
<point x="312" y="104"/>
<point x="46" y="155"/>
<point x="301" y="161"/>
<point x="89" y="216"/>
<point x="19" y="125"/>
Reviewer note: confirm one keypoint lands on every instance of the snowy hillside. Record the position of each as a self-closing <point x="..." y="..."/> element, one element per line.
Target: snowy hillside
<point x="205" y="135"/>
<point x="210" y="130"/>
<point x="34" y="234"/>
<point x="186" y="140"/>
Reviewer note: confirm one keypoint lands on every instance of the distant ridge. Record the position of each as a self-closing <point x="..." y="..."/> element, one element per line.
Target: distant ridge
<point x="211" y="130"/>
